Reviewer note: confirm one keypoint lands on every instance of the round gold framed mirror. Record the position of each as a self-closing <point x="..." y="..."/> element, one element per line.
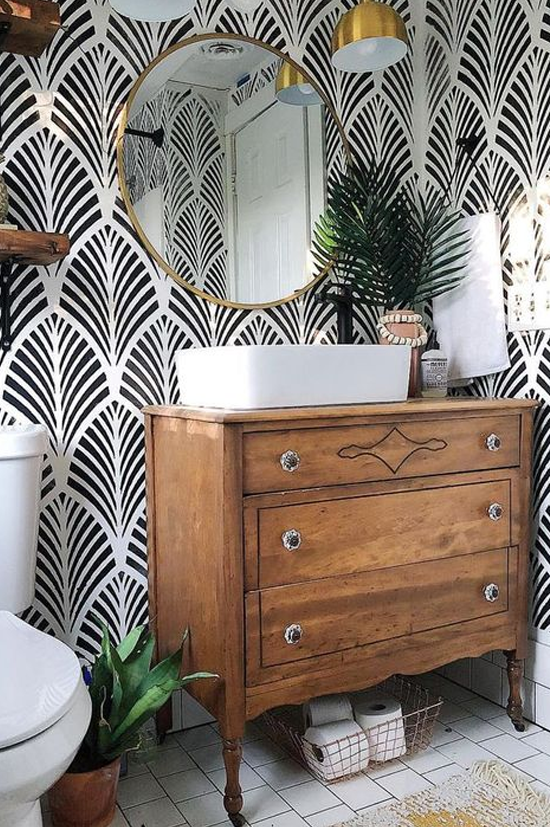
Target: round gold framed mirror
<point x="224" y="150"/>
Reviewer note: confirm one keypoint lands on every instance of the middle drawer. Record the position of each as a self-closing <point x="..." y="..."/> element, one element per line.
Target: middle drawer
<point x="310" y="541"/>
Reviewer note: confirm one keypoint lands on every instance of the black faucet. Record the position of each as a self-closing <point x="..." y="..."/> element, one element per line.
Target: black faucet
<point x="342" y="297"/>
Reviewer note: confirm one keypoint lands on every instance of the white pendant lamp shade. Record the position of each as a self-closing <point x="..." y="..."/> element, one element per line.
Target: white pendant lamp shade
<point x="371" y="36"/>
<point x="153" y="11"/>
<point x="245" y="6"/>
<point x="294" y="89"/>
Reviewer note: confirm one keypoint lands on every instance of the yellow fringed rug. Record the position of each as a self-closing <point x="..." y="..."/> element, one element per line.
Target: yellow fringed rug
<point x="489" y="795"/>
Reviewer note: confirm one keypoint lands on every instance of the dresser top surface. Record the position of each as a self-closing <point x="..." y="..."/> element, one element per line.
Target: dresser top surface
<point x="442" y="407"/>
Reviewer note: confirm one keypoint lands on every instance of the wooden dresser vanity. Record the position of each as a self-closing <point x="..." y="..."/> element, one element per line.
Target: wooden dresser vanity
<point x="321" y="550"/>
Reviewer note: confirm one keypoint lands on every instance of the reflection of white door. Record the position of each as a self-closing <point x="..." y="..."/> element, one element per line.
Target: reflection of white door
<point x="272" y="205"/>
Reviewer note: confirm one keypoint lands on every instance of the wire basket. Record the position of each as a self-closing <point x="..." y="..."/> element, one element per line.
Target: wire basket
<point x="353" y="754"/>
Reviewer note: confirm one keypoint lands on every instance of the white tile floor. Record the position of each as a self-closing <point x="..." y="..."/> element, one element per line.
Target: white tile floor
<point x="181" y="786"/>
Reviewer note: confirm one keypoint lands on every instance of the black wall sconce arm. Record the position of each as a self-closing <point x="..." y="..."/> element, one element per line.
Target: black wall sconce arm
<point x="468" y="146"/>
<point x="157" y="136"/>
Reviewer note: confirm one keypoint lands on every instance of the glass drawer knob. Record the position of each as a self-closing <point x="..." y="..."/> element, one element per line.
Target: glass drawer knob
<point x="293" y="634"/>
<point x="492" y="593"/>
<point x="495" y="512"/>
<point x="290" y="461"/>
<point x="493" y="442"/>
<point x="292" y="540"/>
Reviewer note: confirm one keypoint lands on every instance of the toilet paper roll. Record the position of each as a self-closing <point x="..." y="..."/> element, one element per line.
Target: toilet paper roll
<point x="326" y="710"/>
<point x="381" y="718"/>
<point x="337" y="749"/>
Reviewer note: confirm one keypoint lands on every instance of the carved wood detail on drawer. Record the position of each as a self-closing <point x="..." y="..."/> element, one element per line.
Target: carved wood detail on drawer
<point x="327" y="538"/>
<point x="306" y="458"/>
<point x="393" y="450"/>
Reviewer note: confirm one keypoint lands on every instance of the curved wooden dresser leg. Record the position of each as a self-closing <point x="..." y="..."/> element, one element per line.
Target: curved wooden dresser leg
<point x="515" y="702"/>
<point x="233" y="799"/>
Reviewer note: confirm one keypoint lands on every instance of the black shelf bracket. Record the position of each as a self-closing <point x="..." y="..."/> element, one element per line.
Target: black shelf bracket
<point x="5" y="29"/>
<point x="6" y="279"/>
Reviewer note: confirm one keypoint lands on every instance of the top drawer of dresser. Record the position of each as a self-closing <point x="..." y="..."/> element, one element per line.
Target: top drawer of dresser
<point x="341" y="455"/>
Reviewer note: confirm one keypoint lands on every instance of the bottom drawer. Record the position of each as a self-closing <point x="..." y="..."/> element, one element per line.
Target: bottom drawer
<point x="332" y="615"/>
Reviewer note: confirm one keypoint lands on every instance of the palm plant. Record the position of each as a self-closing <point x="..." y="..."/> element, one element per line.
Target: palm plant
<point x="125" y="694"/>
<point x="394" y="246"/>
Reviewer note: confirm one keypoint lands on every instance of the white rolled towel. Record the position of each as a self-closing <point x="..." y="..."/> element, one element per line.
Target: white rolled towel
<point x="381" y="718"/>
<point x="338" y="749"/>
<point x="328" y="709"/>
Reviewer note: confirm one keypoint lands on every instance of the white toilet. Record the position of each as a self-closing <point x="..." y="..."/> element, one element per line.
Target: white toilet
<point x="44" y="706"/>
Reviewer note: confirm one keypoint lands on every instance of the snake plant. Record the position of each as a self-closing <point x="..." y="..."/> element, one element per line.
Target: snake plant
<point x="126" y="692"/>
<point x="395" y="247"/>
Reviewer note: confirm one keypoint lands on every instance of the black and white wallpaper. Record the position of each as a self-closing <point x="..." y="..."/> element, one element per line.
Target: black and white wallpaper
<point x="144" y="162"/>
<point x="190" y="170"/>
<point x="195" y="189"/>
<point x="488" y="75"/>
<point x="95" y="336"/>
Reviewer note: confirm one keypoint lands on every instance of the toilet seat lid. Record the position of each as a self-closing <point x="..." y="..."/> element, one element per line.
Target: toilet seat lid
<point x="39" y="679"/>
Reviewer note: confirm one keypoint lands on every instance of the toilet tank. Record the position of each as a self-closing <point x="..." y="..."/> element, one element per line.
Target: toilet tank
<point x="22" y="448"/>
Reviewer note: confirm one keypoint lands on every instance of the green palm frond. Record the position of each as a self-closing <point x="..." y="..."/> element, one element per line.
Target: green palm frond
<point x="395" y="247"/>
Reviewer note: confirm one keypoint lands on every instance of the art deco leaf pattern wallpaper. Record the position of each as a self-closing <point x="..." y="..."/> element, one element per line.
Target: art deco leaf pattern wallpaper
<point x="95" y="336"/>
<point x="190" y="175"/>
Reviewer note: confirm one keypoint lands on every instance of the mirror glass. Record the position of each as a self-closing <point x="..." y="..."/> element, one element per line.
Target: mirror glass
<point x="223" y="164"/>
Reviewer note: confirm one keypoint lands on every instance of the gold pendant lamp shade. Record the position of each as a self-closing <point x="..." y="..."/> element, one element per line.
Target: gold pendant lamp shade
<point x="293" y="88"/>
<point x="371" y="36"/>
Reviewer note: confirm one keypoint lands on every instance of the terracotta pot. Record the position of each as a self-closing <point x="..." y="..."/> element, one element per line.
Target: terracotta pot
<point x="85" y="799"/>
<point x="410" y="331"/>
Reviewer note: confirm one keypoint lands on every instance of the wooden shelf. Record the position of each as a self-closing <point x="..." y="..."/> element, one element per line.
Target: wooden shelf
<point x="27" y="248"/>
<point x="28" y="26"/>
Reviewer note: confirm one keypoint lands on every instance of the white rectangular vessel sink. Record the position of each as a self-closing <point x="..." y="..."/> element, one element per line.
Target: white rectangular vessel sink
<point x="288" y="376"/>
